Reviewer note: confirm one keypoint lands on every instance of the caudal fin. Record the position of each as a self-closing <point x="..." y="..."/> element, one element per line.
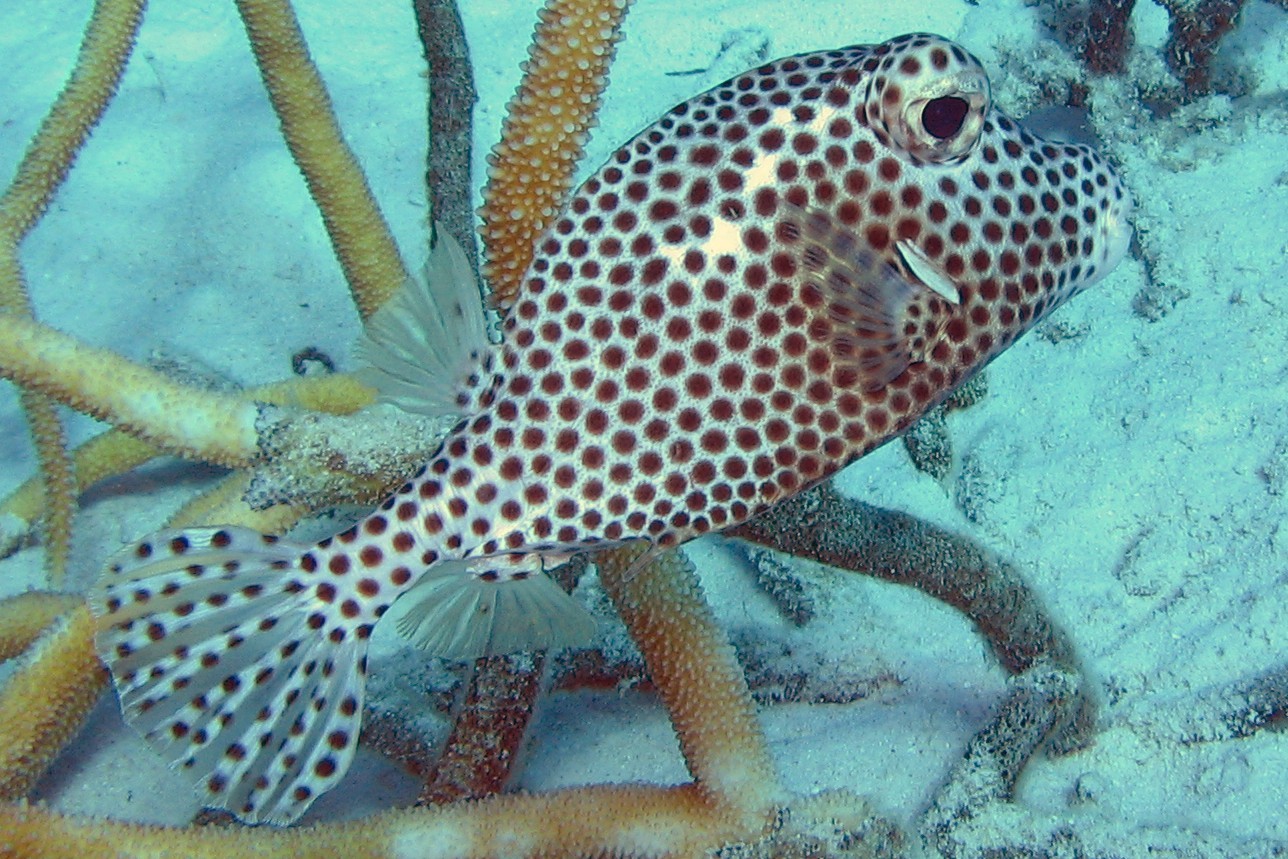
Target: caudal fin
<point x="227" y="658"/>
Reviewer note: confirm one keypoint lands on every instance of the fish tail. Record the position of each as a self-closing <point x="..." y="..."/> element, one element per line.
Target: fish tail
<point x="237" y="663"/>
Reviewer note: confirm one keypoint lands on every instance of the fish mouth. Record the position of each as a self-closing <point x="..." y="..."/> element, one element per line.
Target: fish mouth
<point x="1116" y="232"/>
<point x="1113" y="237"/>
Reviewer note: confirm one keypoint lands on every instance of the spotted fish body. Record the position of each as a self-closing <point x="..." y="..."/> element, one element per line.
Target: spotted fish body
<point x="773" y="279"/>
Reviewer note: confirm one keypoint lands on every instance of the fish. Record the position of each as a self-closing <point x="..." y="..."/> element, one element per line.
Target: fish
<point x="774" y="278"/>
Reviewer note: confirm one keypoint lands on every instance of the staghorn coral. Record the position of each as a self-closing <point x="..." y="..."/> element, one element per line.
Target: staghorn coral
<point x="45" y="701"/>
<point x="109" y="36"/>
<point x="177" y="417"/>
<point x="530" y="170"/>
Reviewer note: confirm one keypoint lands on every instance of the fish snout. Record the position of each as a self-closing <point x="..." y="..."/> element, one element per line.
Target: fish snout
<point x="1112" y="232"/>
<point x="1117" y="231"/>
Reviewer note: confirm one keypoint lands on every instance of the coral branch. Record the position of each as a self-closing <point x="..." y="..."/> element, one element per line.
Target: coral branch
<point x="108" y="40"/>
<point x="47" y="699"/>
<point x="225" y="503"/>
<point x="182" y="419"/>
<point x="1197" y="28"/>
<point x="638" y="822"/>
<point x="1228" y="711"/>
<point x="823" y="526"/>
<point x="487" y="736"/>
<point x="25" y="616"/>
<point x="972" y="814"/>
<point x="698" y="678"/>
<point x="996" y="756"/>
<point x="451" y="120"/>
<point x="1107" y="36"/>
<point x="546" y="125"/>
<point x="115" y="452"/>
<point x="103" y="456"/>
<point x="57" y="479"/>
<point x="358" y="231"/>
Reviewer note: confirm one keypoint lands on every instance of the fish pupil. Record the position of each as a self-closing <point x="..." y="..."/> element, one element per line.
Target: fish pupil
<point x="943" y="117"/>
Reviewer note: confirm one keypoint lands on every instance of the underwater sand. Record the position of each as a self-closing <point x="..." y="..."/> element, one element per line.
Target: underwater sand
<point x="1134" y="469"/>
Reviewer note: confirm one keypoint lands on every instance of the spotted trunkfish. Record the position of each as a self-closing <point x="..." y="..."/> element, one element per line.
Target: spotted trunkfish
<point x="774" y="278"/>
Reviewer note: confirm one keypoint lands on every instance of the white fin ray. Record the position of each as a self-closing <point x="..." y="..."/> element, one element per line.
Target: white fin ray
<point x="930" y="274"/>
<point x="423" y="345"/>
<point x="150" y="702"/>
<point x="209" y="635"/>
<point x="461" y="615"/>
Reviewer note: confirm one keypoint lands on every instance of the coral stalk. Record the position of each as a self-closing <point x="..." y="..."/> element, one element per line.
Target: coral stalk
<point x="546" y="126"/>
<point x="145" y="403"/>
<point x="109" y="38"/>
<point x="46" y="700"/>
<point x="487" y="736"/>
<point x="451" y="120"/>
<point x="1108" y="35"/>
<point x="698" y="678"/>
<point x="638" y="822"/>
<point x="823" y="526"/>
<point x="25" y="616"/>
<point x="359" y="234"/>
<point x="1197" y="28"/>
<point x="115" y="452"/>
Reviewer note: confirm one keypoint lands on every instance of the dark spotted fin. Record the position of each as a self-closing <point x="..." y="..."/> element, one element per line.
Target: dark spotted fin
<point x="220" y="652"/>
<point x="459" y="611"/>
<point x="424" y="348"/>
<point x="870" y="313"/>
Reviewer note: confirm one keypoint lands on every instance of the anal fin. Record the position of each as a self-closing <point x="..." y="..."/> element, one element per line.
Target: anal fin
<point x="464" y="610"/>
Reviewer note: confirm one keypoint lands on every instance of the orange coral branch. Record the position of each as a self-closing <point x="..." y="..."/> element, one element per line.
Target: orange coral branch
<point x="638" y="822"/>
<point x="115" y="452"/>
<point x="215" y="427"/>
<point x="358" y="231"/>
<point x="698" y="678"/>
<point x="108" y="41"/>
<point x="46" y="700"/>
<point x="109" y="38"/>
<point x="58" y="481"/>
<point x="25" y="616"/>
<point x="546" y="125"/>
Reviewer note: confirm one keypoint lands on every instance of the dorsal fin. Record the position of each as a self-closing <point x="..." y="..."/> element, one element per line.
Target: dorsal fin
<point x="422" y="348"/>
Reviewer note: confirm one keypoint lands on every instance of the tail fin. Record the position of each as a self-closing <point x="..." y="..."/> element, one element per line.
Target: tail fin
<point x="227" y="659"/>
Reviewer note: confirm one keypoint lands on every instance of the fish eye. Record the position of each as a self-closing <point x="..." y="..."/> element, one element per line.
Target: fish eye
<point x="933" y="102"/>
<point x="943" y="117"/>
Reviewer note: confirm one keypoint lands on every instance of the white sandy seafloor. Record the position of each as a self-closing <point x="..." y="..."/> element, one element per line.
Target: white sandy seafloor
<point x="1135" y="469"/>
